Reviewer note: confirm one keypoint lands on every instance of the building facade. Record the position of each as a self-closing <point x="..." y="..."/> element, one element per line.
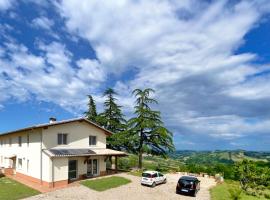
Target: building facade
<point x="56" y="153"/>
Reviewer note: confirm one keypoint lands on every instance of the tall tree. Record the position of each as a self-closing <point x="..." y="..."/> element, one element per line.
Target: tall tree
<point x="147" y="129"/>
<point x="112" y="118"/>
<point x="91" y="113"/>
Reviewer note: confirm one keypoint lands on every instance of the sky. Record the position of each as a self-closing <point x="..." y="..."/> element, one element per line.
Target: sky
<point x="207" y="60"/>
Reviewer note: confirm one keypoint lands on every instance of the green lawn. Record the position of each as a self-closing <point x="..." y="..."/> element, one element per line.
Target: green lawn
<point x="12" y="190"/>
<point x="220" y="192"/>
<point x="105" y="183"/>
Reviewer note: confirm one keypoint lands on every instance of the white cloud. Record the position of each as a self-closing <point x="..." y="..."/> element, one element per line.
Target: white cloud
<point x="227" y="126"/>
<point x="50" y="77"/>
<point x="185" y="52"/>
<point x="43" y="22"/>
<point x="183" y="49"/>
<point x="90" y="70"/>
<point x="5" y="4"/>
<point x="254" y="88"/>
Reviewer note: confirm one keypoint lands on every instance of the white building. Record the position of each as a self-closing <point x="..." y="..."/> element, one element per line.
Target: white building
<point x="56" y="153"/>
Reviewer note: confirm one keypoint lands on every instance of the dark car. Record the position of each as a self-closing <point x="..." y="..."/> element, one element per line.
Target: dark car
<point x="188" y="185"/>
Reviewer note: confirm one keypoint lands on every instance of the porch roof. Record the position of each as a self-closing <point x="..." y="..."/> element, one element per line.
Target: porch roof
<point x="10" y="156"/>
<point x="57" y="152"/>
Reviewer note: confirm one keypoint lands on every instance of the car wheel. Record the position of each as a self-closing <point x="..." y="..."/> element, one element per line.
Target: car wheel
<point x="154" y="184"/>
<point x="194" y="194"/>
<point x="165" y="181"/>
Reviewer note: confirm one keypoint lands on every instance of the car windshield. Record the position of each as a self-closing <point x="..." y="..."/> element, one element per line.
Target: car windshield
<point x="186" y="182"/>
<point x="146" y="175"/>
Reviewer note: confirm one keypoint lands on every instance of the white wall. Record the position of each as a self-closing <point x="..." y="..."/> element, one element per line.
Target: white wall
<point x="26" y="152"/>
<point x="78" y="135"/>
<point x="46" y="168"/>
<point x="60" y="169"/>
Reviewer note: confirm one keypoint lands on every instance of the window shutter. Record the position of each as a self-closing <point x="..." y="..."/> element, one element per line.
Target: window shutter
<point x="59" y="138"/>
<point x="94" y="140"/>
<point x="64" y="138"/>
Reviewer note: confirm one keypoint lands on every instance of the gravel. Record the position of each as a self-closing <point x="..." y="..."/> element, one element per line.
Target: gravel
<point x="131" y="191"/>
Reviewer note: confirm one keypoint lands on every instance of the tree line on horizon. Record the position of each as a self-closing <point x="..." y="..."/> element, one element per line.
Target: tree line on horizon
<point x="143" y="133"/>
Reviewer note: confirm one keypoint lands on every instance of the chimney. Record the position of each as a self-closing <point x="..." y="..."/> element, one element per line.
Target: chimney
<point x="52" y="120"/>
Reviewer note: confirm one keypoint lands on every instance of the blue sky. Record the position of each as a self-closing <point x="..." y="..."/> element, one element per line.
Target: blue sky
<point x="207" y="60"/>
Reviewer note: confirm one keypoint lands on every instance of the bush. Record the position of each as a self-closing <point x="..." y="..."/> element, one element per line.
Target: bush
<point x="235" y="193"/>
<point x="267" y="196"/>
<point x="128" y="162"/>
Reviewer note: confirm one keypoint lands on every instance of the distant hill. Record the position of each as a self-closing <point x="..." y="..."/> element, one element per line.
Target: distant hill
<point x="219" y="156"/>
<point x="210" y="162"/>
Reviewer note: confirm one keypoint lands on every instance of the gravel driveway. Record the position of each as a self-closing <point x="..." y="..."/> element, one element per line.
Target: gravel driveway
<point x="131" y="191"/>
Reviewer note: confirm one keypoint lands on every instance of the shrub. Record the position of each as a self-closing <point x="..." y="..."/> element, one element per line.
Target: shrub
<point x="235" y="193"/>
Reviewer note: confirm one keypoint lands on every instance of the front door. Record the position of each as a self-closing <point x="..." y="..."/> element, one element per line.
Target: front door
<point x="72" y="169"/>
<point x="89" y="168"/>
<point x="95" y="167"/>
<point x="92" y="167"/>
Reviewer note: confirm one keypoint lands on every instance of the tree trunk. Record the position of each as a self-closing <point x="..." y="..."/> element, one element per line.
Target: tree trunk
<point x="141" y="149"/>
<point x="140" y="160"/>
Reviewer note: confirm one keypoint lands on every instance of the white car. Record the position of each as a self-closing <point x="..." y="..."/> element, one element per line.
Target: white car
<point x="152" y="178"/>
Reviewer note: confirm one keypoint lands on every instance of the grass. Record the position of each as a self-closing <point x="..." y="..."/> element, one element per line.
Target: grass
<point x="220" y="192"/>
<point x="103" y="184"/>
<point x="136" y="173"/>
<point x="13" y="190"/>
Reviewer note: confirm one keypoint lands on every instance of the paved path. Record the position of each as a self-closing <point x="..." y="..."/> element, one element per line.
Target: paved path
<point x="131" y="191"/>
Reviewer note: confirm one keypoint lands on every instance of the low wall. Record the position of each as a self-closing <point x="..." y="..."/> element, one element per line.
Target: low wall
<point x="8" y="171"/>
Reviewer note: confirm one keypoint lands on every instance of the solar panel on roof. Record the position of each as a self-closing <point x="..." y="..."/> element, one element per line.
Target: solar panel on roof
<point x="65" y="152"/>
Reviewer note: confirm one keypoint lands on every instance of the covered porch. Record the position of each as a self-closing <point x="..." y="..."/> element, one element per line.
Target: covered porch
<point x="10" y="164"/>
<point x="70" y="165"/>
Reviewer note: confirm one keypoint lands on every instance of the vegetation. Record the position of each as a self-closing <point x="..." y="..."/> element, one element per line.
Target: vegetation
<point x="144" y="133"/>
<point x="254" y="178"/>
<point x="112" y="118"/>
<point x="12" y="190"/>
<point x="225" y="192"/>
<point x="215" y="157"/>
<point x="91" y="113"/>
<point x="136" y="173"/>
<point x="105" y="183"/>
<point x="146" y="129"/>
<point x="150" y="163"/>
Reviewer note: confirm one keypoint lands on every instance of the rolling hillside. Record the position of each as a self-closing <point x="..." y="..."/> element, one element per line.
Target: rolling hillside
<point x="214" y="157"/>
<point x="210" y="162"/>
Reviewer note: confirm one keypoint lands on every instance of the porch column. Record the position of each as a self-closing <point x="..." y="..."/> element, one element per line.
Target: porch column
<point x="116" y="164"/>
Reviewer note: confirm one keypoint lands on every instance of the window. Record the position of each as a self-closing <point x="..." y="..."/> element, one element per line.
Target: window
<point x="160" y="175"/>
<point x="28" y="140"/>
<point x="20" y="141"/>
<point x="92" y="140"/>
<point x="10" y="141"/>
<point x="19" y="163"/>
<point x="62" y="138"/>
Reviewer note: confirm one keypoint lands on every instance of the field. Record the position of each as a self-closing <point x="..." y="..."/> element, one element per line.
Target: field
<point x="214" y="157"/>
<point x="12" y="190"/>
<point x="151" y="163"/>
<point x="179" y="160"/>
